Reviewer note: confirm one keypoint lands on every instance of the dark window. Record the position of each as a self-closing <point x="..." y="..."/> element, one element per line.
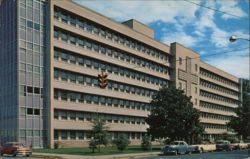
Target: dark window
<point x="29" y="89"/>
<point x="36" y="111"/>
<point x="180" y="60"/>
<point x="36" y="90"/>
<point x="29" y="24"/>
<point x="36" y="26"/>
<point x="29" y="111"/>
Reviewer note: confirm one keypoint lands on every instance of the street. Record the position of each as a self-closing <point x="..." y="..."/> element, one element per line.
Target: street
<point x="242" y="154"/>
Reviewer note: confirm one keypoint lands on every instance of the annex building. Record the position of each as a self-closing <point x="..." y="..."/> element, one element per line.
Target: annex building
<point x="51" y="53"/>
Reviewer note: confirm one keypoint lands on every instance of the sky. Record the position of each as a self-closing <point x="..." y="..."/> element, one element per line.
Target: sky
<point x="192" y="24"/>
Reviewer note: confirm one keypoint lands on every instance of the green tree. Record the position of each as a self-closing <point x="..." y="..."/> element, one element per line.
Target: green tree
<point x="146" y="142"/>
<point x="241" y="123"/>
<point x="173" y="116"/>
<point x="93" y="145"/>
<point x="99" y="134"/>
<point x="121" y="142"/>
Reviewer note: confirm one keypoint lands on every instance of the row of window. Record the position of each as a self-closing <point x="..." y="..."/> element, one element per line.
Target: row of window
<point x="214" y="116"/>
<point x="30" y="133"/>
<point x="32" y="47"/>
<point x="86" y="135"/>
<point x="214" y="126"/>
<point x="29" y="111"/>
<point x="31" y="68"/>
<point x="31" y="3"/>
<point x="93" y="81"/>
<point x="35" y="13"/>
<point x="29" y="89"/>
<point x="105" y="66"/>
<point x="99" y="100"/>
<point x="114" y="36"/>
<point x="216" y="106"/>
<point x="90" y="116"/>
<point x="217" y="87"/>
<point x="218" y="78"/>
<point x="218" y="97"/>
<point x="108" y="51"/>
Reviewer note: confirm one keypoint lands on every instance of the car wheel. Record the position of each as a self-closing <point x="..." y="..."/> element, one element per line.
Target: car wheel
<point x="176" y="153"/>
<point x="14" y="154"/>
<point x="27" y="155"/>
<point x="189" y="152"/>
<point x="201" y="150"/>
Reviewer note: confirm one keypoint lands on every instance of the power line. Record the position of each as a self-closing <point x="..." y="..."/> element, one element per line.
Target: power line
<point x="217" y="10"/>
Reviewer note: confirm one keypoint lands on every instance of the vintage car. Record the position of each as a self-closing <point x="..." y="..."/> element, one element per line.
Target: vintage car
<point x="204" y="148"/>
<point x="15" y="148"/>
<point x="224" y="145"/>
<point x="177" y="147"/>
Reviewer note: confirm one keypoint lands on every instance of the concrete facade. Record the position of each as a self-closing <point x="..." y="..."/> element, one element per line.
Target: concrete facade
<point x="80" y="44"/>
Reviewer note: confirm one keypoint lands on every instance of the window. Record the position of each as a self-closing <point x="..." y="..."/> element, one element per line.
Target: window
<point x="64" y="57"/>
<point x="73" y="21"/>
<point x="196" y="67"/>
<point x="80" y="116"/>
<point x="72" y="59"/>
<point x="64" y="135"/>
<point x="36" y="90"/>
<point x="56" y="34"/>
<point x="64" y="95"/>
<point x="72" y="40"/>
<point x="80" y="135"/>
<point x="180" y="61"/>
<point x="72" y="116"/>
<point x="29" y="111"/>
<point x="22" y="90"/>
<point x="56" y="114"/>
<point x="36" y="26"/>
<point x="36" y="111"/>
<point x="63" y="115"/>
<point x="29" y="89"/>
<point x="64" y="18"/>
<point x="64" y="37"/>
<point x="29" y="24"/>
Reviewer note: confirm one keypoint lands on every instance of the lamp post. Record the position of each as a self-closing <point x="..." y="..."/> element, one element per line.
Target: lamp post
<point x="233" y="38"/>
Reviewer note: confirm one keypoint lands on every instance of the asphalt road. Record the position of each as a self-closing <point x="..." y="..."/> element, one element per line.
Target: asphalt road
<point x="237" y="154"/>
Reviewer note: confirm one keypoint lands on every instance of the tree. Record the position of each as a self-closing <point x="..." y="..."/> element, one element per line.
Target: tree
<point x="93" y="145"/>
<point x="241" y="123"/>
<point x="99" y="135"/>
<point x="121" y="142"/>
<point x="146" y="142"/>
<point x="173" y="116"/>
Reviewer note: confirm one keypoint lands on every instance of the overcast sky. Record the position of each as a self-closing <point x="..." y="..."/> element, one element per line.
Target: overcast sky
<point x="204" y="30"/>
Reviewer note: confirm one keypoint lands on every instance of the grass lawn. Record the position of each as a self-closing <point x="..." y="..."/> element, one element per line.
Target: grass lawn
<point x="104" y="150"/>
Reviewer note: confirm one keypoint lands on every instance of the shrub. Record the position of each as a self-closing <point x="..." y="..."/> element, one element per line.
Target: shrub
<point x="121" y="142"/>
<point x="146" y="143"/>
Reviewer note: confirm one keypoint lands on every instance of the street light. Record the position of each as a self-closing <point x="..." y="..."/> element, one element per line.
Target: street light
<point x="233" y="38"/>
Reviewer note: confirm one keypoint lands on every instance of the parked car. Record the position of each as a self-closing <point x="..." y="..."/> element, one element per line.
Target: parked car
<point x="177" y="147"/>
<point x="204" y="148"/>
<point x="15" y="148"/>
<point x="224" y="145"/>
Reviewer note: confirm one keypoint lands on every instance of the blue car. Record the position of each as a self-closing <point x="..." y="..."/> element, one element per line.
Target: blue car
<point x="177" y="147"/>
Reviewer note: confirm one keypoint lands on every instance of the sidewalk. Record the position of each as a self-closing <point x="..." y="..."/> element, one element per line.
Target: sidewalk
<point x="120" y="156"/>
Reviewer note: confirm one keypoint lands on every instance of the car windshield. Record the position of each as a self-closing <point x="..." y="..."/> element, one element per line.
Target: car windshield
<point x="174" y="143"/>
<point x="16" y="144"/>
<point x="222" y="142"/>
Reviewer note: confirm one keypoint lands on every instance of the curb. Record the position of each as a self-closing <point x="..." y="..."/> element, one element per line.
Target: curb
<point x="121" y="156"/>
